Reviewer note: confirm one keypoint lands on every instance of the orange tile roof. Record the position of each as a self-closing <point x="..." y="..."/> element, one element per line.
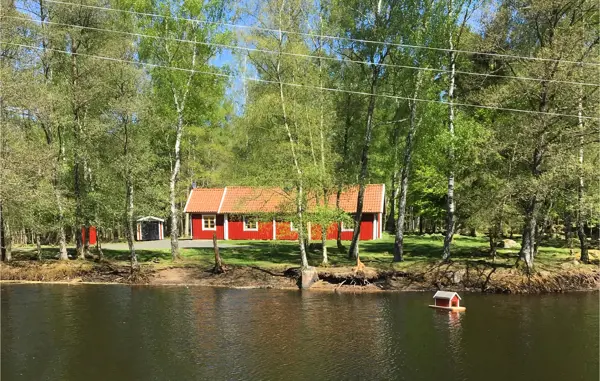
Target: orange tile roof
<point x="270" y="200"/>
<point x="372" y="202"/>
<point x="204" y="200"/>
<point x="254" y="200"/>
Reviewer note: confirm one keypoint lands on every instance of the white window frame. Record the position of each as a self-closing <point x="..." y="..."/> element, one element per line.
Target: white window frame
<point x="246" y="228"/>
<point x="292" y="229"/>
<point x="346" y="230"/>
<point x="214" y="216"/>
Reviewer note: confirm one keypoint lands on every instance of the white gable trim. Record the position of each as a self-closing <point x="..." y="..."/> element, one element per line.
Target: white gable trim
<point x="222" y="199"/>
<point x="382" y="198"/>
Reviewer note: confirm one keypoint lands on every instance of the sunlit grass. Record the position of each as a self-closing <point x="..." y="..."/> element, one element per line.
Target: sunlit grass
<point x="420" y="251"/>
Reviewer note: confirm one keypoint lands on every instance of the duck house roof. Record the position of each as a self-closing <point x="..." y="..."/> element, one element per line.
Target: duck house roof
<point x="446" y="295"/>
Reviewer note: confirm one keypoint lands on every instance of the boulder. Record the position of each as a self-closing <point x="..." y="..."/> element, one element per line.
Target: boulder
<point x="308" y="278"/>
<point x="509" y="244"/>
<point x="458" y="276"/>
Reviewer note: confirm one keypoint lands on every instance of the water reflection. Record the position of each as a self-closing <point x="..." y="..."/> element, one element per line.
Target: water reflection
<point x="177" y="333"/>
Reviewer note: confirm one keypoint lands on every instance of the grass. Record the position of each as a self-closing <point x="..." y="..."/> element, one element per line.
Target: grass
<point x="420" y="251"/>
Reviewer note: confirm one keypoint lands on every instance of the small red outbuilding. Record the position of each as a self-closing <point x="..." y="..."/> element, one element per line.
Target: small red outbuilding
<point x="92" y="235"/>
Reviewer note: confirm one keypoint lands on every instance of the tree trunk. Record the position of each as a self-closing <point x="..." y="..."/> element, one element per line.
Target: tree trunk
<point x="493" y="233"/>
<point x="301" y="236"/>
<point x="86" y="245"/>
<point x="299" y="179"/>
<point x="584" y="256"/>
<point x="391" y="222"/>
<point x="364" y="165"/>
<point x="339" y="243"/>
<point x="179" y="107"/>
<point x="345" y="149"/>
<point x="2" y="235"/>
<point x="172" y="189"/>
<point x="129" y="225"/>
<point x="529" y="228"/>
<point x="7" y="242"/>
<point x="408" y="150"/>
<point x="99" y="245"/>
<point x="62" y="239"/>
<point x="219" y="268"/>
<point x="450" y="195"/>
<point x="324" y="244"/>
<point x="186" y="227"/>
<point x="568" y="230"/>
<point x="38" y="247"/>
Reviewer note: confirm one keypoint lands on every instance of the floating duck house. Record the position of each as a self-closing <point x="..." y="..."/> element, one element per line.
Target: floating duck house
<point x="447" y="300"/>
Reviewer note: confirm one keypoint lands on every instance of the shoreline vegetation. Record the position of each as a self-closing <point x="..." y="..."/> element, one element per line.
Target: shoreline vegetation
<point x="267" y="264"/>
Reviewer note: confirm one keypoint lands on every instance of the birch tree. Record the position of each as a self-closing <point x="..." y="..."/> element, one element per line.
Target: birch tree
<point x="181" y="91"/>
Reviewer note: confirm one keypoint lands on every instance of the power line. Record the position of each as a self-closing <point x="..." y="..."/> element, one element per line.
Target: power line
<point x="314" y="35"/>
<point x="307" y="55"/>
<point x="388" y="96"/>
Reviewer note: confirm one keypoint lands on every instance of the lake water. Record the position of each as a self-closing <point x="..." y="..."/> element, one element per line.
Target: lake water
<point x="112" y="332"/>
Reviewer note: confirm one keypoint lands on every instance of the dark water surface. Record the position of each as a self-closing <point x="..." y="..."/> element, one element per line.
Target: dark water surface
<point x="106" y="332"/>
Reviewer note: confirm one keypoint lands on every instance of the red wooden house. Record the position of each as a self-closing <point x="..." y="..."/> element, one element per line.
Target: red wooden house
<point x="233" y="213"/>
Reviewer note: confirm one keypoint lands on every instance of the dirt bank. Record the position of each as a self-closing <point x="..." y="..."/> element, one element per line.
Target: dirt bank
<point x="481" y="277"/>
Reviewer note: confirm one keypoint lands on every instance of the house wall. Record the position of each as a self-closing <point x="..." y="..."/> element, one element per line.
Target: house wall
<point x="442" y="302"/>
<point x="236" y="230"/>
<point x="455" y="301"/>
<point x="198" y="231"/>
<point x="366" y="230"/>
<point x="283" y="231"/>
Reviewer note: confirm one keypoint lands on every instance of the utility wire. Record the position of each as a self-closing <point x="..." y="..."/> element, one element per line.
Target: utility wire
<point x="388" y="96"/>
<point x="306" y="55"/>
<point x="314" y="35"/>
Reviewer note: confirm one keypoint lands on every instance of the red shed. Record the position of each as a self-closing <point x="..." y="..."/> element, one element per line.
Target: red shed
<point x="92" y="235"/>
<point x="447" y="300"/>
<point x="233" y="213"/>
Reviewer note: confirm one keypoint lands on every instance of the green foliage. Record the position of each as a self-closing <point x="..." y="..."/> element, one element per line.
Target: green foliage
<point x="68" y="115"/>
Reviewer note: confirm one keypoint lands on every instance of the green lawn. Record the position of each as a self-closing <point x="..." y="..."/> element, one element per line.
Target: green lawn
<point x="419" y="251"/>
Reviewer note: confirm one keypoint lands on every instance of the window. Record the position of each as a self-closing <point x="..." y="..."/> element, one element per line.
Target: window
<point x="292" y="228"/>
<point x="348" y="227"/>
<point x="209" y="222"/>
<point x="250" y="224"/>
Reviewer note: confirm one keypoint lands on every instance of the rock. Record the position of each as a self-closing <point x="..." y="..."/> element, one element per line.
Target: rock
<point x="458" y="276"/>
<point x="509" y="244"/>
<point x="308" y="277"/>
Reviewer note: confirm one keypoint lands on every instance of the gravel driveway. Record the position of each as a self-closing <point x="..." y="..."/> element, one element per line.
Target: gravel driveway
<point x="165" y="244"/>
